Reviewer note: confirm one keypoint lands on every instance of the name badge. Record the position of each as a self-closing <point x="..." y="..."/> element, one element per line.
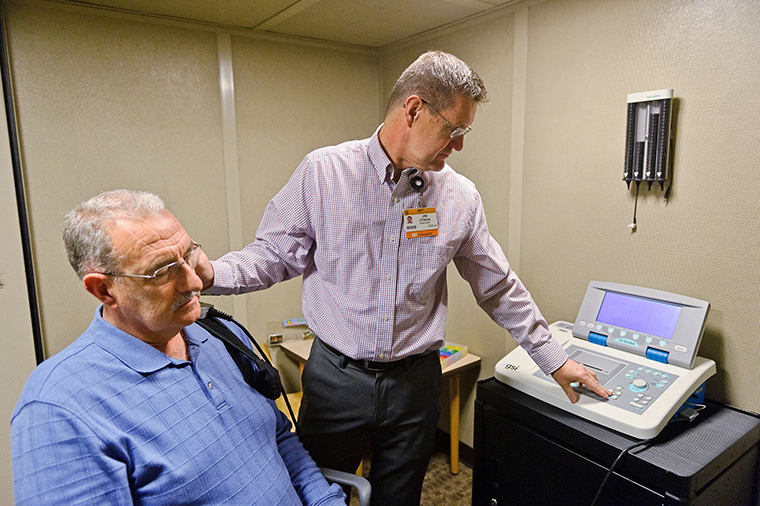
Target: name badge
<point x="422" y="222"/>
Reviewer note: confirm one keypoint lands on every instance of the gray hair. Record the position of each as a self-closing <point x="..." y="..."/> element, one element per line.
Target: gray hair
<point x="438" y="77"/>
<point x="86" y="232"/>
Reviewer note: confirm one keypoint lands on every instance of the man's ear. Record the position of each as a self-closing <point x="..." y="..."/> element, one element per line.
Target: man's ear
<point x="412" y="107"/>
<point x="100" y="287"/>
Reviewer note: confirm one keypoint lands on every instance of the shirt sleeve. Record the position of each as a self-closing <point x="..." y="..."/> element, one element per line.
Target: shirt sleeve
<point x="500" y="293"/>
<point x="283" y="244"/>
<point x="310" y="484"/>
<point x="58" y="459"/>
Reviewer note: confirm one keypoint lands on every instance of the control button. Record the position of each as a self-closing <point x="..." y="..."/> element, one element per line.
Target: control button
<point x="663" y="343"/>
<point x="660" y="385"/>
<point x="611" y="330"/>
<point x="648" y="340"/>
<point x="636" y="336"/>
<point x="664" y="381"/>
<point x="613" y="397"/>
<point x="648" y="398"/>
<point x="638" y="385"/>
<point x="636" y="405"/>
<point x="644" y="402"/>
<point x="657" y="373"/>
<point x="641" y="368"/>
<point x="631" y="371"/>
<point x="582" y="324"/>
<point x="665" y="376"/>
<point x="591" y="325"/>
<point x="681" y="348"/>
<point x="623" y="332"/>
<point x="598" y="326"/>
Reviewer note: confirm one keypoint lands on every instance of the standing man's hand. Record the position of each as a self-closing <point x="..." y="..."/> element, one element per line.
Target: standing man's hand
<point x="573" y="372"/>
<point x="205" y="271"/>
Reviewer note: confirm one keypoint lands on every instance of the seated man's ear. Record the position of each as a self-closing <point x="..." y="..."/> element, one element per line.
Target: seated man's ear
<point x="99" y="285"/>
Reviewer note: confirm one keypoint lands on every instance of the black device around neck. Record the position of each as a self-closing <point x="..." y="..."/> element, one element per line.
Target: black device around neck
<point x="417" y="183"/>
<point x="258" y="372"/>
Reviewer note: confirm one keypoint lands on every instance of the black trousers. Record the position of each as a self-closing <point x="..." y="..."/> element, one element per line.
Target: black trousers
<point x="395" y="412"/>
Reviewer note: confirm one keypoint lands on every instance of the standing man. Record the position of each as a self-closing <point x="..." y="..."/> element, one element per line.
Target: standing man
<point x="374" y="281"/>
<point x="145" y="407"/>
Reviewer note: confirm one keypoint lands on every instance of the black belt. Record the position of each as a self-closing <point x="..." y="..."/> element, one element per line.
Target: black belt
<point x="370" y="365"/>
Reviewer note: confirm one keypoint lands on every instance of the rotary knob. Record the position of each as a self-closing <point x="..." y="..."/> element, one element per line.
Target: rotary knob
<point x="638" y="385"/>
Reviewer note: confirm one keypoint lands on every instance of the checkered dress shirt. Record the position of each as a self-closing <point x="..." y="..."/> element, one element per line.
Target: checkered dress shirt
<point x="368" y="291"/>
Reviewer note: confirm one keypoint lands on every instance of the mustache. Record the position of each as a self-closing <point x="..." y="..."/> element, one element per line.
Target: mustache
<point x="184" y="299"/>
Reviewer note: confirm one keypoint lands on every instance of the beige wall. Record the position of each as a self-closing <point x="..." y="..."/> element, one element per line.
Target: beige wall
<point x="118" y="101"/>
<point x="583" y="58"/>
<point x="108" y="103"/>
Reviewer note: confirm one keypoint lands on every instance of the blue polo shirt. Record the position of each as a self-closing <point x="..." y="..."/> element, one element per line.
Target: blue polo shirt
<point x="112" y="420"/>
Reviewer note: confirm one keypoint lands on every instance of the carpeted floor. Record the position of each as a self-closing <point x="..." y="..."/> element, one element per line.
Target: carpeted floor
<point x="441" y="488"/>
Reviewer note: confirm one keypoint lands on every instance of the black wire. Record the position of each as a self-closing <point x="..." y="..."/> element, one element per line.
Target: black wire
<point x="212" y="311"/>
<point x="614" y="464"/>
<point x="645" y="442"/>
<point x="636" y="201"/>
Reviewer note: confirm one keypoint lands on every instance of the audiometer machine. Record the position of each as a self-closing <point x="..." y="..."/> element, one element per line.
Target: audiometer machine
<point x="641" y="343"/>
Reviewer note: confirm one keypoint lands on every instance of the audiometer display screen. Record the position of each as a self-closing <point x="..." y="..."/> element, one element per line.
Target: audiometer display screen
<point x="638" y="314"/>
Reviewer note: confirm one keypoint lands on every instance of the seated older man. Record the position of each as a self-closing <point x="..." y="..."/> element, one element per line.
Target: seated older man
<point x="145" y="407"/>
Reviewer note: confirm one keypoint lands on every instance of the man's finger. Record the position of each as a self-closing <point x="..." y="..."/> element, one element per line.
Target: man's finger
<point x="596" y="386"/>
<point x="571" y="394"/>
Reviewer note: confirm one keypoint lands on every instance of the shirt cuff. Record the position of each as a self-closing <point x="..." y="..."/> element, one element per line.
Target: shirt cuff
<point x="550" y="357"/>
<point x="224" y="280"/>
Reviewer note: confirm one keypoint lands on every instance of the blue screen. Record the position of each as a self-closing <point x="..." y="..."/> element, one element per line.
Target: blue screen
<point x="640" y="315"/>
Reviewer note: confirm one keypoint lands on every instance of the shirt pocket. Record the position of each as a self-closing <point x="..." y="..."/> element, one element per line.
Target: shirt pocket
<point x="431" y="256"/>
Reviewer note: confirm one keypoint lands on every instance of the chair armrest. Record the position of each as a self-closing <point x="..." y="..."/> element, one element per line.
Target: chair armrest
<point x="361" y="485"/>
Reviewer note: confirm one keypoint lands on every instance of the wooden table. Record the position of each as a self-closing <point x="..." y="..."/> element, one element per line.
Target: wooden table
<point x="299" y="351"/>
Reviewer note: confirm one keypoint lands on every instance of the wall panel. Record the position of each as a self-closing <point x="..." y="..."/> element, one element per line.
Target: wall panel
<point x="584" y="57"/>
<point x="108" y="103"/>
